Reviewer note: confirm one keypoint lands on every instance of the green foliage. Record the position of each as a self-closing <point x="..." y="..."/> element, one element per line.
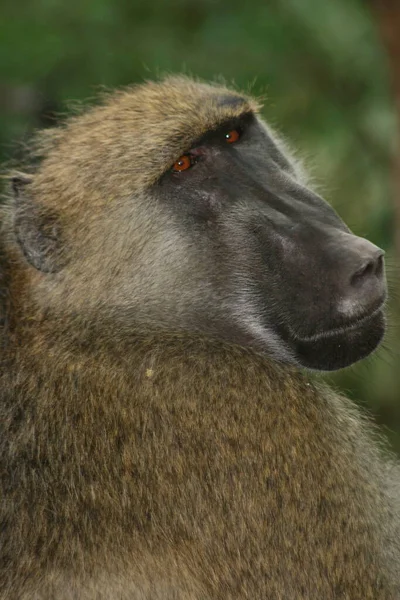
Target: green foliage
<point x="319" y="64"/>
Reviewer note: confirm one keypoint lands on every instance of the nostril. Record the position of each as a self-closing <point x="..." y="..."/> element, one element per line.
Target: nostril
<point x="362" y="281"/>
<point x="372" y="266"/>
<point x="379" y="266"/>
<point x="363" y="272"/>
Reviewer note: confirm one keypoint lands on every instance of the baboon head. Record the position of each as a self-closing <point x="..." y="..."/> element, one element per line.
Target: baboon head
<point x="172" y="206"/>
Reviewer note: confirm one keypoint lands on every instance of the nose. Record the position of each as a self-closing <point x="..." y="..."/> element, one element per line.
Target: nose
<point x="362" y="277"/>
<point x="371" y="266"/>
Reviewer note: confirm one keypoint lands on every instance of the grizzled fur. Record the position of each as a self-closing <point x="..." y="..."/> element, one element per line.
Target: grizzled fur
<point x="141" y="461"/>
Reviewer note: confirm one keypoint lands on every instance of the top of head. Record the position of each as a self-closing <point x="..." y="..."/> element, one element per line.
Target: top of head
<point x="181" y="209"/>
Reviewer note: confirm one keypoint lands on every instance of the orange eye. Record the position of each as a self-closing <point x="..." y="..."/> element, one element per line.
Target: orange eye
<point x="232" y="136"/>
<point x="182" y="164"/>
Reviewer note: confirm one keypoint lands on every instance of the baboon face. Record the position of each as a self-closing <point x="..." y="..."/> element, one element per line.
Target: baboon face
<point x="289" y="276"/>
<point x="180" y="210"/>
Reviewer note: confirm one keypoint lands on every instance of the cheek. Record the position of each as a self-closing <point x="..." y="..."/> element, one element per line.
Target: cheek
<point x="154" y="270"/>
<point x="197" y="205"/>
<point x="212" y="203"/>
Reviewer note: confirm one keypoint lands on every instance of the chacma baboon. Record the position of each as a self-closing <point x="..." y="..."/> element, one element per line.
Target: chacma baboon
<point x="167" y="273"/>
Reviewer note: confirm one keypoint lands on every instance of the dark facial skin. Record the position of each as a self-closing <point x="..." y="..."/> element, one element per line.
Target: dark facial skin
<point x="290" y="278"/>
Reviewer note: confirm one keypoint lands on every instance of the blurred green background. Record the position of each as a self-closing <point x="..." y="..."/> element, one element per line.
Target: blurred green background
<point x="322" y="66"/>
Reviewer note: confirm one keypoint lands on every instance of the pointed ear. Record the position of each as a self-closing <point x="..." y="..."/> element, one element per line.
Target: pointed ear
<point x="37" y="230"/>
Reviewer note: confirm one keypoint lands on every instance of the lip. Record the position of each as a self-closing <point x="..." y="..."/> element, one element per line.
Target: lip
<point x="350" y="325"/>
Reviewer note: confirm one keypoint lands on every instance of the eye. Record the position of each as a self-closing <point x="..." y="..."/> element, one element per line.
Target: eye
<point x="183" y="163"/>
<point x="232" y="136"/>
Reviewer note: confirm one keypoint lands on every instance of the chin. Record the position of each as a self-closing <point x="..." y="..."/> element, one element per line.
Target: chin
<point x="341" y="347"/>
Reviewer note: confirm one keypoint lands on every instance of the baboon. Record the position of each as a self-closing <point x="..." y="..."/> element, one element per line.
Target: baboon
<point x="169" y="283"/>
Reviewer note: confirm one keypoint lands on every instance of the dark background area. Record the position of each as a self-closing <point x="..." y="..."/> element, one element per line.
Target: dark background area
<point x="330" y="72"/>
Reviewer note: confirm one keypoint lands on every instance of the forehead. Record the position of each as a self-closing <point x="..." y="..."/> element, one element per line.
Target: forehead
<point x="180" y="107"/>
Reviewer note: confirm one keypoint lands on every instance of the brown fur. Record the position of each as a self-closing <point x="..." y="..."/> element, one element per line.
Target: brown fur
<point x="145" y="465"/>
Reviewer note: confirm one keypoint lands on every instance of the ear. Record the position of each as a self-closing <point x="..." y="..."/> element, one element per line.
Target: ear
<point x="37" y="230"/>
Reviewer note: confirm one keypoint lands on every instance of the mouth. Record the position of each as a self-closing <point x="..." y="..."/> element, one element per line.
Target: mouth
<point x="341" y="346"/>
<point x="345" y="328"/>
